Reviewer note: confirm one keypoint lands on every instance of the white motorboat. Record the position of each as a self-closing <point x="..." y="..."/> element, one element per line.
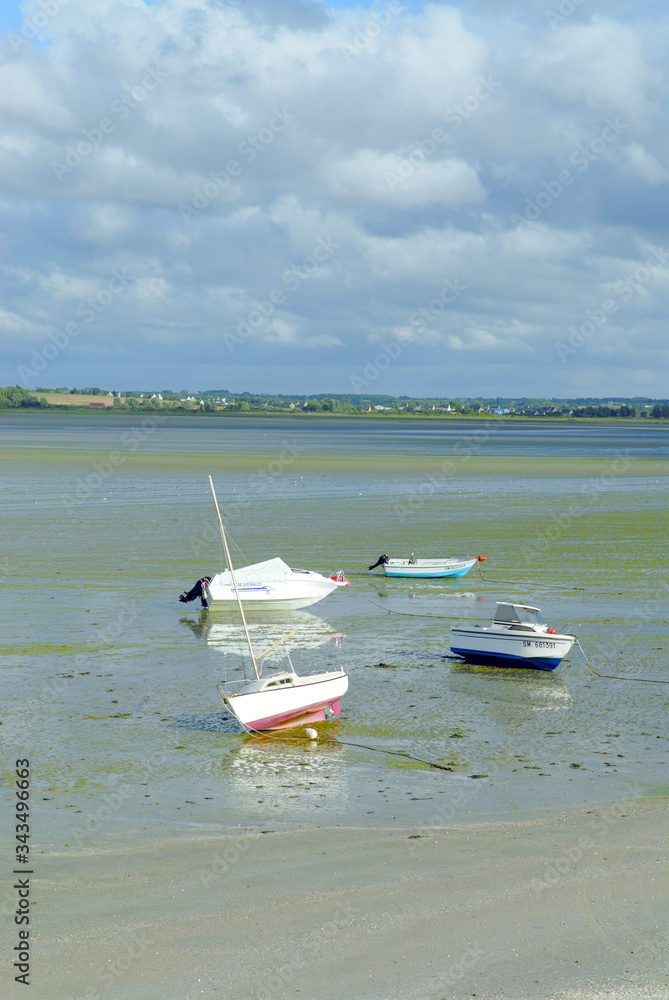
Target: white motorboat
<point x="266" y="586"/>
<point x="517" y="637"/>
<point x="281" y="700"/>
<point x="449" y="566"/>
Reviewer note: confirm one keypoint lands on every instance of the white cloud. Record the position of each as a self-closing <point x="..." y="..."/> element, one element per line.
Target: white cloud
<point x="103" y="223"/>
<point x="643" y="165"/>
<point x="404" y="182"/>
<point x="323" y="340"/>
<point x="338" y="169"/>
<point x="600" y="65"/>
<point x="484" y="340"/>
<point x="68" y="287"/>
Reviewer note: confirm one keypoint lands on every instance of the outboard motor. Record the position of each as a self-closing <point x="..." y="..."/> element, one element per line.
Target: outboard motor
<point x="197" y="591"/>
<point x="381" y="561"/>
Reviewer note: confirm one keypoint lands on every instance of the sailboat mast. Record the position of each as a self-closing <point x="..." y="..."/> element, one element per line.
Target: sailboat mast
<point x="234" y="581"/>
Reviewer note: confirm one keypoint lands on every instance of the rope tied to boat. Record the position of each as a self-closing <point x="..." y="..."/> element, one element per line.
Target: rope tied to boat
<point x="617" y="677"/>
<point x="410" y="614"/>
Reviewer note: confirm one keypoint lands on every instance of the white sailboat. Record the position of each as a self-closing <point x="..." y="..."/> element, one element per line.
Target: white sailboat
<point x="278" y="700"/>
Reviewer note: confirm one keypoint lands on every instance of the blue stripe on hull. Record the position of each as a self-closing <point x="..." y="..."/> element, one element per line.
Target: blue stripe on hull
<point x="427" y="574"/>
<point x="506" y="660"/>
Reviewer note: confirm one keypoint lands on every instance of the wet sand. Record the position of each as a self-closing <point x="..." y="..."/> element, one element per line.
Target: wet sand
<point x="174" y="896"/>
<point x="464" y="465"/>
<point x="572" y="906"/>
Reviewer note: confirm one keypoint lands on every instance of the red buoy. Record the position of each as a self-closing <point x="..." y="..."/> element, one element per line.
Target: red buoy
<point x="481" y="558"/>
<point x="551" y="631"/>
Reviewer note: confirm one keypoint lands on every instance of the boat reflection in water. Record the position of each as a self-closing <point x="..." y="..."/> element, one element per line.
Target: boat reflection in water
<point x="298" y="629"/>
<point x="505" y="691"/>
<point x="283" y="776"/>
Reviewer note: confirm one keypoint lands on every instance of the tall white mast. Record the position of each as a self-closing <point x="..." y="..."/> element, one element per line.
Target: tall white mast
<point x="234" y="581"/>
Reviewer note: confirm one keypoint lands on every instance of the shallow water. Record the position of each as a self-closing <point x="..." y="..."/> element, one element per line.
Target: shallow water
<point x="110" y="683"/>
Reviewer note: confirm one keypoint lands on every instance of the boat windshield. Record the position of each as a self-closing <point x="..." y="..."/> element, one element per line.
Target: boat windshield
<point x="518" y="614"/>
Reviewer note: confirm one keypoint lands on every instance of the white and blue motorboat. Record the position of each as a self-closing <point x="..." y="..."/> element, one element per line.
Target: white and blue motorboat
<point x="517" y="637"/>
<point x="449" y="566"/>
<point x="267" y="586"/>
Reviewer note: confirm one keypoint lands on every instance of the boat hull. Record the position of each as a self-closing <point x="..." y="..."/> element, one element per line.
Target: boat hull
<point x="535" y="651"/>
<point x="288" y="596"/>
<point x="428" y="568"/>
<point x="295" y="705"/>
<point x="502" y="660"/>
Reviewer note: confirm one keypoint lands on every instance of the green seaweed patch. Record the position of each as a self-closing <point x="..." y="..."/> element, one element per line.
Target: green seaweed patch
<point x="407" y="765"/>
<point x="118" y="715"/>
<point x="655" y="792"/>
<point x="43" y="649"/>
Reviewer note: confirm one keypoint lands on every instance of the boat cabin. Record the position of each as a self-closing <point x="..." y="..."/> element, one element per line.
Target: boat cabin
<point x="517" y="615"/>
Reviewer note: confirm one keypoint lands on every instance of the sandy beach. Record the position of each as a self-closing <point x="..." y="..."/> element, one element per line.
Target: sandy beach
<point x="571" y="906"/>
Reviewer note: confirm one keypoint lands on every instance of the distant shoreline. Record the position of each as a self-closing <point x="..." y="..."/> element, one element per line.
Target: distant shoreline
<point x="477" y="418"/>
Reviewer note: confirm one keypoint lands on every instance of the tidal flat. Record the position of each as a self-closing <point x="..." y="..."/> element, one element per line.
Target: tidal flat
<point x="110" y="690"/>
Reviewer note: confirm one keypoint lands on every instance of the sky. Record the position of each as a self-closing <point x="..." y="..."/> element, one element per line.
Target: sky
<point x="302" y="196"/>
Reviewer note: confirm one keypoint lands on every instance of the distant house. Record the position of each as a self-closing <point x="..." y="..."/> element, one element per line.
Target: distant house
<point x="500" y="410"/>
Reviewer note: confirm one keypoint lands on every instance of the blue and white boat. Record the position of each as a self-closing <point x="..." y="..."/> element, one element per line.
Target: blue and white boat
<point x="426" y="568"/>
<point x="517" y="637"/>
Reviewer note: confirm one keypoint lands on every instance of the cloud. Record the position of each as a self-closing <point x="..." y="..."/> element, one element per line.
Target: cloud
<point x="396" y="181"/>
<point x="348" y="161"/>
<point x="484" y="340"/>
<point x="644" y="165"/>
